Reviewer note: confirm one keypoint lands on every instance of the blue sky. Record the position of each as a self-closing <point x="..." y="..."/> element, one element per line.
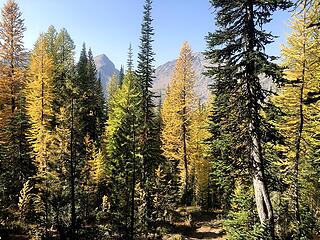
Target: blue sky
<point x="108" y="26"/>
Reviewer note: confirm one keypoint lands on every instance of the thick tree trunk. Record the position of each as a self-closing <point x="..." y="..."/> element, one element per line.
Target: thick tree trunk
<point x="262" y="198"/>
<point x="253" y="89"/>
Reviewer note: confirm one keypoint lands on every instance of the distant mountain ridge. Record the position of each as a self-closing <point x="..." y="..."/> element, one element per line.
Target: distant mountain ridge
<point x="164" y="72"/>
<point x="163" y="75"/>
<point x="105" y="69"/>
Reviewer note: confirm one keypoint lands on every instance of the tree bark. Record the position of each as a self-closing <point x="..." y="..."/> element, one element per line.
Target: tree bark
<point x="298" y="141"/>
<point x="262" y="197"/>
<point x="184" y="142"/>
<point x="72" y="182"/>
<point x="133" y="179"/>
<point x="185" y="162"/>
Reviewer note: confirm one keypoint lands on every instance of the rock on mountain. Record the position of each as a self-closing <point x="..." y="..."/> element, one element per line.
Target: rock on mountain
<point x="164" y="73"/>
<point x="105" y="69"/>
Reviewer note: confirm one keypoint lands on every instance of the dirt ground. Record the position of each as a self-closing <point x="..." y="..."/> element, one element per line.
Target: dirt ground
<point x="193" y="223"/>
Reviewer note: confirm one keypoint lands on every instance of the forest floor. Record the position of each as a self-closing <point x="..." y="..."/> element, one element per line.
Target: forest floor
<point x="193" y="223"/>
<point x="190" y="223"/>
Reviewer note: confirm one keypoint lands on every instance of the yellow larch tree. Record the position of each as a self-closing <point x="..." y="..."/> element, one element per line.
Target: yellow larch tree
<point x="199" y="154"/>
<point x="39" y="95"/>
<point x="301" y="120"/>
<point x="177" y="113"/>
<point x="39" y="104"/>
<point x="12" y="58"/>
<point x="15" y="163"/>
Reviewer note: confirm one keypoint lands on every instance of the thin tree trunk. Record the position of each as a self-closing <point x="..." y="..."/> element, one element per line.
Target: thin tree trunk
<point x="133" y="182"/>
<point x="296" y="164"/>
<point x="184" y="142"/>
<point x="13" y="102"/>
<point x="298" y="143"/>
<point x="73" y="212"/>
<point x="45" y="156"/>
<point x="185" y="162"/>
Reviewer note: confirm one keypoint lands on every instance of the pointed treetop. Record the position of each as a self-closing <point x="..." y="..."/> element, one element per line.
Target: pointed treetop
<point x="90" y="52"/>
<point x="145" y="68"/>
<point x="130" y="60"/>
<point x="83" y="55"/>
<point x="90" y="56"/>
<point x="12" y="29"/>
<point x="91" y="64"/>
<point x="121" y="75"/>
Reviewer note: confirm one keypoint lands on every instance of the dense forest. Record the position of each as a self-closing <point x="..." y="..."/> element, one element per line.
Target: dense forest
<point x="78" y="164"/>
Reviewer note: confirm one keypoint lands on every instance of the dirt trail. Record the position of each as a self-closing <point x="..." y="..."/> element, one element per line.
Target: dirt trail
<point x="196" y="224"/>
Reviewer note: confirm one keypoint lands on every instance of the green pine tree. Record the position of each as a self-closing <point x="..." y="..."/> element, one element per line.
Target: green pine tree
<point x="150" y="137"/>
<point x="238" y="44"/>
<point x="122" y="143"/>
<point x="121" y="75"/>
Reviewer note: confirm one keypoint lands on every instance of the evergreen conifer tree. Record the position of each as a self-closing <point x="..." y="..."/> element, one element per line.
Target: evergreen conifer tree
<point x="121" y="75"/>
<point x="130" y="60"/>
<point x="124" y="165"/>
<point x="150" y="136"/>
<point x="239" y="44"/>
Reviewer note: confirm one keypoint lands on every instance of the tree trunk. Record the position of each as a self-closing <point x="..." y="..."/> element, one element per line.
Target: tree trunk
<point x="73" y="211"/>
<point x="296" y="164"/>
<point x="133" y="179"/>
<point x="184" y="141"/>
<point x="262" y="197"/>
<point x="185" y="165"/>
<point x="298" y="141"/>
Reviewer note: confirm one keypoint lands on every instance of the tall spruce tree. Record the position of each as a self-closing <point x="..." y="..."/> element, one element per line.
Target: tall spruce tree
<point x="130" y="60"/>
<point x="149" y="138"/>
<point x="239" y="45"/>
<point x="96" y="100"/>
<point x="89" y="98"/>
<point x="121" y="75"/>
<point x="122" y="145"/>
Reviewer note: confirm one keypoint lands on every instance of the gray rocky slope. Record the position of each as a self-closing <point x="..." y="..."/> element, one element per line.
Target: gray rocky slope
<point x="105" y="69"/>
